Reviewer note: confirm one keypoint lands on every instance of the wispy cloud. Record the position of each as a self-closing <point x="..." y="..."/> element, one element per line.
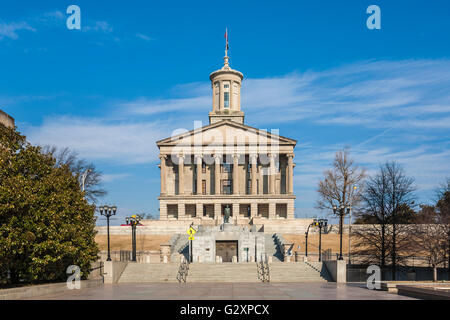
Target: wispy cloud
<point x="407" y="102"/>
<point x="99" y="26"/>
<point x="113" y="177"/>
<point x="102" y="139"/>
<point x="10" y="30"/>
<point x="375" y="94"/>
<point x="144" y="37"/>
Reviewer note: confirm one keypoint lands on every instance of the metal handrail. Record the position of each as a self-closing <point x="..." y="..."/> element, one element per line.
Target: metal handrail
<point x="263" y="271"/>
<point x="183" y="271"/>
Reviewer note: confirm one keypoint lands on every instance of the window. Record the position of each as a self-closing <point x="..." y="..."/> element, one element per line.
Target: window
<point x="226" y="86"/>
<point x="226" y="98"/>
<point x="249" y="186"/>
<point x="226" y="186"/>
<point x="203" y="167"/>
<point x="203" y="187"/>
<point x="226" y="167"/>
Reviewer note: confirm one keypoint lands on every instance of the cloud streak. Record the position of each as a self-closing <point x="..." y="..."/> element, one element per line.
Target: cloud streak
<point x="407" y="102"/>
<point x="10" y="30"/>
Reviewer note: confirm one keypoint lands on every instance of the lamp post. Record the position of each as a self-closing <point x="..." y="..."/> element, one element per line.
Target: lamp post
<point x="306" y="237"/>
<point x="321" y="223"/>
<point x="108" y="212"/>
<point x="133" y="221"/>
<point x="341" y="211"/>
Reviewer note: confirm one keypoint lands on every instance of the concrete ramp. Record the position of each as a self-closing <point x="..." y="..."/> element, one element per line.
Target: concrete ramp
<point x="298" y="272"/>
<point x="149" y="272"/>
<point x="222" y="272"/>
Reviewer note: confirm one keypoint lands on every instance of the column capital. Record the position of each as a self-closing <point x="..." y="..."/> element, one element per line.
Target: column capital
<point x="273" y="155"/>
<point x="290" y="155"/>
<point x="181" y="156"/>
<point x="162" y="156"/>
<point x="236" y="155"/>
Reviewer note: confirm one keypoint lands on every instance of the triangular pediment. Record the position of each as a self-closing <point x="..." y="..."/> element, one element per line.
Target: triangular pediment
<point x="226" y="132"/>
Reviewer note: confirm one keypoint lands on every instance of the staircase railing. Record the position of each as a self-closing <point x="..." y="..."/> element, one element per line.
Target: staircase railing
<point x="183" y="271"/>
<point x="263" y="271"/>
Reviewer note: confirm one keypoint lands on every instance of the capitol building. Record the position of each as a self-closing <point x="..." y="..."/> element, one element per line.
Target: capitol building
<point x="226" y="164"/>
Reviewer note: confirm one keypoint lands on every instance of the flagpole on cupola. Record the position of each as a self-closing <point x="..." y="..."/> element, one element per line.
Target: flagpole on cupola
<point x="226" y="49"/>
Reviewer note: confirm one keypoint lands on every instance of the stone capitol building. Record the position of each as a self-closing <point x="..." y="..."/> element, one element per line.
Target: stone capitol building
<point x="226" y="164"/>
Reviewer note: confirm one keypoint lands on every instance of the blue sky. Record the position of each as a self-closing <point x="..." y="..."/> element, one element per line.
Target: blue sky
<point x="137" y="70"/>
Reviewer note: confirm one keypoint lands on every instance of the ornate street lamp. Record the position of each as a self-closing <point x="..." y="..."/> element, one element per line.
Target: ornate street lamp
<point x="108" y="212"/>
<point x="321" y="223"/>
<point x="306" y="237"/>
<point x="133" y="221"/>
<point x="341" y="211"/>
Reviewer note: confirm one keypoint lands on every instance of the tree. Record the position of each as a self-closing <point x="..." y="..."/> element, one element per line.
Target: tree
<point x="388" y="198"/>
<point x="45" y="222"/>
<point x="148" y="216"/>
<point x="338" y="184"/>
<point x="79" y="167"/>
<point x="443" y="217"/>
<point x="429" y="236"/>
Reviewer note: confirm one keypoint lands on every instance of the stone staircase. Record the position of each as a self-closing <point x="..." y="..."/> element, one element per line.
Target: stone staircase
<point x="272" y="249"/>
<point x="180" y="247"/>
<point x="299" y="272"/>
<point x="149" y="272"/>
<point x="222" y="272"/>
<point x="225" y="272"/>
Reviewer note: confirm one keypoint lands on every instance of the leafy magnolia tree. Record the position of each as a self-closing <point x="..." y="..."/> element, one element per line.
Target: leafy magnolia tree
<point x="388" y="200"/>
<point x="86" y="173"/>
<point x="45" y="222"/>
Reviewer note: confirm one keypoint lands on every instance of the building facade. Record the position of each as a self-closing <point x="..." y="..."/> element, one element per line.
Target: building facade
<point x="226" y="164"/>
<point x="6" y="119"/>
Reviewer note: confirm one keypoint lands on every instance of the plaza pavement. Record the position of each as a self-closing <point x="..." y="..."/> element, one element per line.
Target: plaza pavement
<point x="226" y="291"/>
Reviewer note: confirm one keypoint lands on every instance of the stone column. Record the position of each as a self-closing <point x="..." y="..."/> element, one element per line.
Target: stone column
<point x="181" y="211"/>
<point x="253" y="209"/>
<point x="231" y="95"/>
<point x="181" y="174"/>
<point x="235" y="174"/>
<point x="272" y="210"/>
<point x="217" y="211"/>
<point x="217" y="174"/>
<point x="290" y="174"/>
<point x="162" y="166"/>
<point x="199" y="161"/>
<point x="199" y="210"/>
<point x="272" y="171"/>
<point x="221" y="96"/>
<point x="254" y="164"/>
<point x="162" y="211"/>
<point x="235" y="211"/>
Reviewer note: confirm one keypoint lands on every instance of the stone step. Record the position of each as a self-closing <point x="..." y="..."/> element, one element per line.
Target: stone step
<point x="149" y="272"/>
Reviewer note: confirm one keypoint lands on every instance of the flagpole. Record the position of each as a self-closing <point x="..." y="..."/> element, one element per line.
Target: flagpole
<point x="226" y="42"/>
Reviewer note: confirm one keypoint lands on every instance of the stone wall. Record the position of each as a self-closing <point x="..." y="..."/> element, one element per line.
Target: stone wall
<point x="6" y="119"/>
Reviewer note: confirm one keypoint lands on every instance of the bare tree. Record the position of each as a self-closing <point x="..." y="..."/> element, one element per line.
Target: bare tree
<point x="429" y="237"/>
<point x="338" y="184"/>
<point x="388" y="198"/>
<point x="81" y="169"/>
<point x="443" y="216"/>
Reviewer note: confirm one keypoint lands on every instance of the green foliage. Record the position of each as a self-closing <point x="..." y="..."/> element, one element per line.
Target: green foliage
<point x="45" y="222"/>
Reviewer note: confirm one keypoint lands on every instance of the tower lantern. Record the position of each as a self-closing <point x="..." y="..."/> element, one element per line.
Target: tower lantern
<point x="226" y="86"/>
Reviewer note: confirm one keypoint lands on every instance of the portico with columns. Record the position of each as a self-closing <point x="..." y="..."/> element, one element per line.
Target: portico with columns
<point x="226" y="163"/>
